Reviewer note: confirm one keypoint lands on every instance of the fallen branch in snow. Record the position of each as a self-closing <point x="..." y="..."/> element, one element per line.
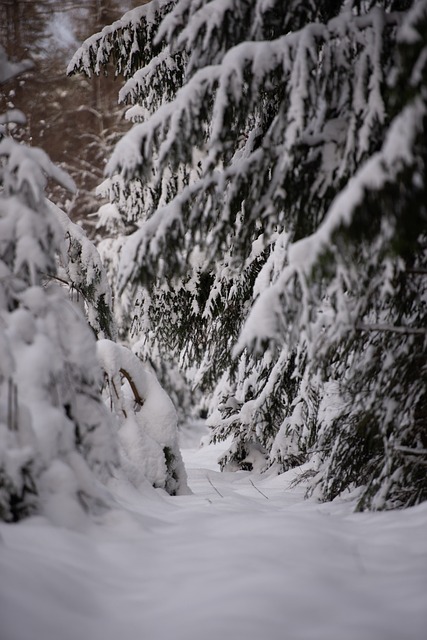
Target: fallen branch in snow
<point x="259" y="490"/>
<point x="214" y="487"/>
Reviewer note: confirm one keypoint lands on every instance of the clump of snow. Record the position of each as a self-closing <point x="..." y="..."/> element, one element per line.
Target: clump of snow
<point x="148" y="432"/>
<point x="373" y="174"/>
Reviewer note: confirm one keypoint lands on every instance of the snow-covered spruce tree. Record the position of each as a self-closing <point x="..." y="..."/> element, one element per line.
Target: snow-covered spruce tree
<point x="358" y="289"/>
<point x="380" y="440"/>
<point x="280" y="172"/>
<point x="56" y="440"/>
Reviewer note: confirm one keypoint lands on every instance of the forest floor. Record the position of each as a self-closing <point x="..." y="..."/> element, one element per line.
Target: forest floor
<point x="244" y="557"/>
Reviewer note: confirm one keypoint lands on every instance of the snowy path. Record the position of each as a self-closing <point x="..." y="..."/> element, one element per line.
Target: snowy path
<point x="225" y="563"/>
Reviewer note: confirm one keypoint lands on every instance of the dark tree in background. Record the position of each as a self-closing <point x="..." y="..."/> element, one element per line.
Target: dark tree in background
<point x="76" y="120"/>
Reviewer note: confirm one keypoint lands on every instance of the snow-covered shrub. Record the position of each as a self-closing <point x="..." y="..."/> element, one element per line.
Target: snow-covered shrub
<point x="147" y="420"/>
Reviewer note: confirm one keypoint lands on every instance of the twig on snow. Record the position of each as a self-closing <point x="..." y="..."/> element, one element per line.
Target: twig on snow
<point x="259" y="490"/>
<point x="214" y="487"/>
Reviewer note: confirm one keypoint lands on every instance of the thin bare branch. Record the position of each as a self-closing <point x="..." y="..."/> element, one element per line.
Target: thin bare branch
<point x="259" y="490"/>
<point x="214" y="487"/>
<point x="419" y="331"/>
<point x="132" y="384"/>
<point x="412" y="451"/>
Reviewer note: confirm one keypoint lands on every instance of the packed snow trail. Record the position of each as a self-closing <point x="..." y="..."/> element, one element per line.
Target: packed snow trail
<point x="243" y="558"/>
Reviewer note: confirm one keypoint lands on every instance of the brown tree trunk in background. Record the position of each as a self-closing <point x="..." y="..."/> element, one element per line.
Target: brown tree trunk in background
<point x="73" y="119"/>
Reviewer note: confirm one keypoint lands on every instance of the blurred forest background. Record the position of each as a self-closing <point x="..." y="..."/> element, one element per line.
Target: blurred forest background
<point x="76" y="120"/>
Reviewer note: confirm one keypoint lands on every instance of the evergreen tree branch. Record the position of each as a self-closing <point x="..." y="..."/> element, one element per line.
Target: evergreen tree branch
<point x="412" y="451"/>
<point x="391" y="329"/>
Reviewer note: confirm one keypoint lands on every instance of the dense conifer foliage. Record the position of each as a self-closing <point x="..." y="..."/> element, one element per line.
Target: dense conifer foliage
<point x="273" y="188"/>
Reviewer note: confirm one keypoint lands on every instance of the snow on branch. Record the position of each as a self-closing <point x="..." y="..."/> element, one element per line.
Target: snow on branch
<point x="374" y="174"/>
<point x="194" y="29"/>
<point x="147" y="85"/>
<point x="25" y="237"/>
<point x="9" y="69"/>
<point x="86" y="274"/>
<point x="171" y="124"/>
<point x="32" y="166"/>
<point x="236" y="86"/>
<point x="383" y="328"/>
<point x="174" y="123"/>
<point x="148" y="433"/>
<point x="176" y="18"/>
<point x="13" y="116"/>
<point x="149" y="238"/>
<point x="266" y="320"/>
<point x="97" y="50"/>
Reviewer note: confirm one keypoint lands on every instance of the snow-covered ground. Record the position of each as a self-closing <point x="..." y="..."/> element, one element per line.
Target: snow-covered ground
<point x="243" y="558"/>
